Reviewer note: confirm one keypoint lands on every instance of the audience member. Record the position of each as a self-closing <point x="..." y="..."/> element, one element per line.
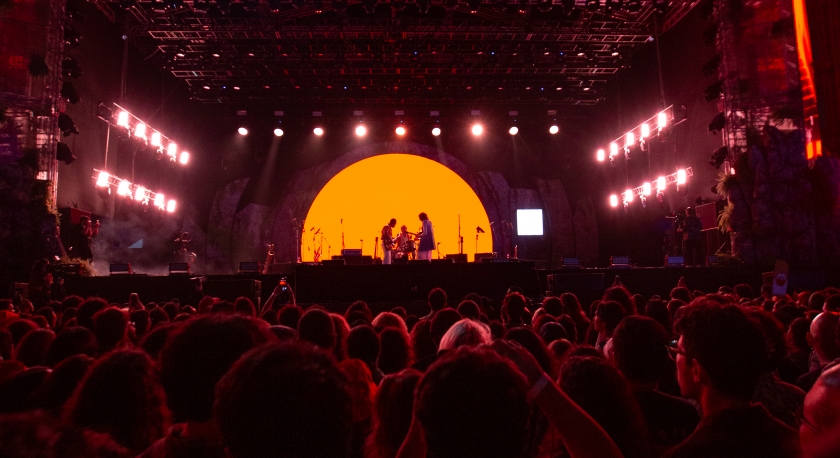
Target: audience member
<point x="32" y="349"/>
<point x="110" y="325"/>
<point x="86" y="311"/>
<point x="394" y="351"/>
<point x="469" y="309"/>
<point x="820" y="417"/>
<point x="70" y="342"/>
<point x="61" y="383"/>
<point x="465" y="332"/>
<point x="363" y="344"/>
<point x="607" y="316"/>
<point x="795" y="363"/>
<point x="393" y="410"/>
<point x="437" y="302"/>
<point x="824" y="339"/>
<point x="513" y="310"/>
<point x="317" y="327"/>
<point x="388" y="320"/>
<point x="341" y="331"/>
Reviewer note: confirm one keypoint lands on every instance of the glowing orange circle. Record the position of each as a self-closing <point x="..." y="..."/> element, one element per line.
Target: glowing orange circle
<point x="363" y="197"/>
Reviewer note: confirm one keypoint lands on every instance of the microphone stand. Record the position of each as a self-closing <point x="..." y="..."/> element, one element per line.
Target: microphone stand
<point x="342" y="235"/>
<point x="460" y="238"/>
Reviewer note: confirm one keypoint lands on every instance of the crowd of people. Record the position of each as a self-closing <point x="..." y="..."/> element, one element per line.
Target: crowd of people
<point x="728" y="373"/>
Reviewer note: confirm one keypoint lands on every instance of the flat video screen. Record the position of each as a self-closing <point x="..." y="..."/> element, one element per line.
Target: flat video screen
<point x="529" y="221"/>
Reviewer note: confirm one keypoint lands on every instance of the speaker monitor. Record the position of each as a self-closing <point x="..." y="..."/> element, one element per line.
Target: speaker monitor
<point x="460" y="258"/>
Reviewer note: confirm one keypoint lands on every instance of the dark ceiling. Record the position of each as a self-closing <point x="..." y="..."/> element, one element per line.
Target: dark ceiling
<point x="398" y="52"/>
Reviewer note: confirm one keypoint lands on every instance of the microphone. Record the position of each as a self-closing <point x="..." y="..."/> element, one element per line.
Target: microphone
<point x="479" y="229"/>
<point x="311" y="228"/>
<point x="317" y="232"/>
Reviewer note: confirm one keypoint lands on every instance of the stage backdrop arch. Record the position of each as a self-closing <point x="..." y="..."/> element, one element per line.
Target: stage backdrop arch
<point x="242" y="235"/>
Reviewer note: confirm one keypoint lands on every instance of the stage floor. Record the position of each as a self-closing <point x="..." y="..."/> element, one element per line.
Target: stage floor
<point x="337" y="284"/>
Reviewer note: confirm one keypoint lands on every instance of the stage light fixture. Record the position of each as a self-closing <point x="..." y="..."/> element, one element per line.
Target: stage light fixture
<point x="553" y="129"/>
<point x="513" y="130"/>
<point x="601" y="155"/>
<point x="361" y="130"/>
<point x="661" y="120"/>
<point x="242" y="131"/>
<point x="613" y="201"/>
<point x="172" y="150"/>
<point x="646" y="189"/>
<point x="66" y="124"/>
<point x="436" y="131"/>
<point x="318" y="131"/>
<point x="170" y="206"/>
<point x="643" y="200"/>
<point x="102" y="179"/>
<point x="69" y="93"/>
<point x="400" y="130"/>
<point x="185" y="157"/>
<point x="278" y="132"/>
<point x="719" y="156"/>
<point x="613" y="149"/>
<point x="645" y="130"/>
<point x="122" y="119"/>
<point x="139" y="193"/>
<point x="155" y="139"/>
<point x="661" y="182"/>
<point x="681" y="177"/>
<point x="477" y="129"/>
<point x="140" y="131"/>
<point x="718" y="123"/>
<point x="124" y="188"/>
<point x="629" y="139"/>
<point x="63" y="153"/>
<point x="628" y="195"/>
<point x="160" y="201"/>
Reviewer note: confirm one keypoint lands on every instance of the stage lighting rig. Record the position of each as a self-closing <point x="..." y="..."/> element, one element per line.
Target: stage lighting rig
<point x="641" y="134"/>
<point x="131" y="191"/>
<point x="136" y="128"/>
<point x="69" y="93"/>
<point x="70" y="68"/>
<point x="679" y="178"/>
<point x="66" y="124"/>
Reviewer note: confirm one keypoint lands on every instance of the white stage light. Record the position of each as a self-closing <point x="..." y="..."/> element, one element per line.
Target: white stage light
<point x="318" y="131"/>
<point x="185" y="157"/>
<point x="170" y="206"/>
<point x="172" y="150"/>
<point x="155" y="138"/>
<point x="628" y="195"/>
<point x="361" y="131"/>
<point x="140" y="130"/>
<point x="102" y="179"/>
<point x="553" y="129"/>
<point x="278" y="132"/>
<point x="140" y="193"/>
<point x="513" y="130"/>
<point x="122" y="119"/>
<point x="477" y="129"/>
<point x="400" y="131"/>
<point x="613" y="149"/>
<point x="662" y="120"/>
<point x="242" y="131"/>
<point x="645" y="130"/>
<point x="646" y="189"/>
<point x="124" y="188"/>
<point x="601" y="155"/>
<point x="160" y="201"/>
<point x="436" y="131"/>
<point x="629" y="139"/>
<point x="613" y="201"/>
<point x="681" y="177"/>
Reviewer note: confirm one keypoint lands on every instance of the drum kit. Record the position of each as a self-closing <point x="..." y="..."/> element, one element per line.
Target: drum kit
<point x="406" y="246"/>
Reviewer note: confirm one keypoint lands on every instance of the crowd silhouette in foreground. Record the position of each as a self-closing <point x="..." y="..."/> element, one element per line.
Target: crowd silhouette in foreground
<point x="727" y="373"/>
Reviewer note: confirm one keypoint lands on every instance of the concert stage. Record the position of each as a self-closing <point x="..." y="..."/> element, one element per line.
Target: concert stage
<point x="339" y="285"/>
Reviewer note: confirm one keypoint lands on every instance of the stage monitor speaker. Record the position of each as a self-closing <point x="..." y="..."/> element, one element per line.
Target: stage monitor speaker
<point x="334" y="262"/>
<point x="358" y="260"/>
<point x="570" y="263"/>
<point x="713" y="261"/>
<point x="619" y="262"/>
<point x="446" y="260"/>
<point x="674" y="261"/>
<point x="231" y="289"/>
<point x="179" y="268"/>
<point x="460" y="258"/>
<point x="351" y="252"/>
<point x="419" y="261"/>
<point x="249" y="267"/>
<point x="479" y="257"/>
<point x="121" y="268"/>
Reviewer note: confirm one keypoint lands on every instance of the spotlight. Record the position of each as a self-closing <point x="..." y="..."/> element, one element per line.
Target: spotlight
<point x="661" y="183"/>
<point x="553" y="129"/>
<point x="318" y="131"/>
<point x="645" y="130"/>
<point x="124" y="188"/>
<point x="170" y="206"/>
<point x="400" y="131"/>
<point x="63" y="153"/>
<point x="681" y="177"/>
<point x="629" y="139"/>
<point x="613" y="150"/>
<point x="122" y="119"/>
<point x="70" y="69"/>
<point x="140" y="131"/>
<point x="613" y="201"/>
<point x="713" y="91"/>
<point x="361" y="131"/>
<point x="646" y="189"/>
<point x="172" y="150"/>
<point x="160" y="201"/>
<point x="477" y="129"/>
<point x="242" y="131"/>
<point x="628" y="195"/>
<point x="102" y="179"/>
<point x="717" y="124"/>
<point x="155" y="139"/>
<point x="601" y="155"/>
<point x="661" y="121"/>
<point x="139" y="193"/>
<point x="69" y="93"/>
<point x="185" y="157"/>
<point x="278" y="132"/>
<point x="513" y="130"/>
<point x="719" y="156"/>
<point x="436" y="131"/>
<point x="66" y="124"/>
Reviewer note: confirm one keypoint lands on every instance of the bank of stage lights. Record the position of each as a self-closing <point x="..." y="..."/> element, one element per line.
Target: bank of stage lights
<point x="638" y="135"/>
<point x="138" y="129"/>
<point x="138" y="193"/>
<point x="643" y="192"/>
<point x="476" y="129"/>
